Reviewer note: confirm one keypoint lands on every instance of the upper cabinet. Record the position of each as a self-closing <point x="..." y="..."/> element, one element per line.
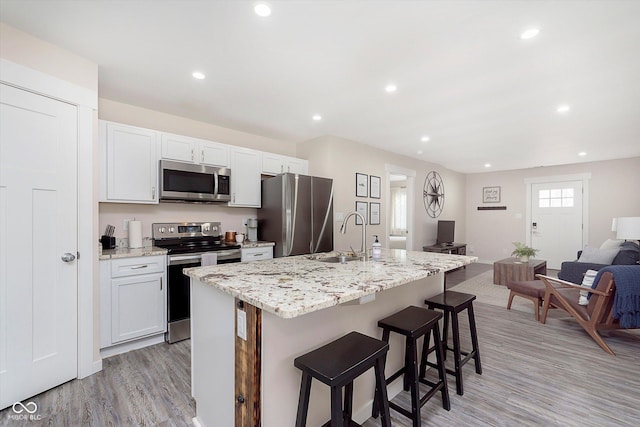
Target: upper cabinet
<point x="192" y="150"/>
<point x="128" y="164"/>
<point x="246" y="166"/>
<point x="273" y="164"/>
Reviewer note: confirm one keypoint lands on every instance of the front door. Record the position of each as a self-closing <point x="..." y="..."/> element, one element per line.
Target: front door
<point x="556" y="221"/>
<point x="38" y="228"/>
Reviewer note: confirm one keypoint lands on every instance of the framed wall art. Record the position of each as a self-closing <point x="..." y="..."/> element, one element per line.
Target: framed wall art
<point x="374" y="187"/>
<point x="361" y="208"/>
<point x="362" y="189"/>
<point x="490" y="194"/>
<point x="374" y="213"/>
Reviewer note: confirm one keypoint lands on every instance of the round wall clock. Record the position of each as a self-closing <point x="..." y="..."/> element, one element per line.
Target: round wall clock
<point x="433" y="194"/>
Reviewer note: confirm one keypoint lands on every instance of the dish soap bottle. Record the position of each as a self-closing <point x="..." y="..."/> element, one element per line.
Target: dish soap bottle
<point x="376" y="248"/>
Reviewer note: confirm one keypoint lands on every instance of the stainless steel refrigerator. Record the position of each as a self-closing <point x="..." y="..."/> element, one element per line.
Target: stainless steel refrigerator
<point x="297" y="214"/>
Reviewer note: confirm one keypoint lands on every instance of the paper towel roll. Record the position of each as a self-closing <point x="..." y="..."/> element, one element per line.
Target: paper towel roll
<point x="135" y="234"/>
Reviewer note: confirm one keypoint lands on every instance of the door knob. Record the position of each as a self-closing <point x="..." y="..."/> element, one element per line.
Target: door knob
<point x="67" y="257"/>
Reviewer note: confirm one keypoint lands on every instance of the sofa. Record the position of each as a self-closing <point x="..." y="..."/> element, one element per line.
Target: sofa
<point x="628" y="253"/>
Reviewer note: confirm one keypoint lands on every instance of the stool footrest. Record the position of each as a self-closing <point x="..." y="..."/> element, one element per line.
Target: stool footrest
<point x="350" y="424"/>
<point x="396" y="375"/>
<point x="400" y="409"/>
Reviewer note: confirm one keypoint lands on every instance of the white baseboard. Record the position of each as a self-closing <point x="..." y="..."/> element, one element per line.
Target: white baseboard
<point x="132" y="345"/>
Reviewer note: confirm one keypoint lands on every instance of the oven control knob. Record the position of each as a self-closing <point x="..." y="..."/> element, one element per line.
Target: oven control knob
<point x="171" y="229"/>
<point x="161" y="229"/>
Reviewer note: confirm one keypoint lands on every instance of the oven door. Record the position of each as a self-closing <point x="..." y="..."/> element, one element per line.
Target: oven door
<point x="178" y="297"/>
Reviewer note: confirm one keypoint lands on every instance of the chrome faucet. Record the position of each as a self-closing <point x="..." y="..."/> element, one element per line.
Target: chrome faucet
<point x="343" y="230"/>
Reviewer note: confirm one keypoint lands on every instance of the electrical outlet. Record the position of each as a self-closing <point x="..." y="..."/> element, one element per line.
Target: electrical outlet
<point x="339" y="216"/>
<point x="125" y="225"/>
<point x="242" y="324"/>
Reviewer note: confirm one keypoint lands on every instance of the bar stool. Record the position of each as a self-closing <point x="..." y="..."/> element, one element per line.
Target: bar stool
<point x="415" y="322"/>
<point x="337" y="364"/>
<point x="452" y="303"/>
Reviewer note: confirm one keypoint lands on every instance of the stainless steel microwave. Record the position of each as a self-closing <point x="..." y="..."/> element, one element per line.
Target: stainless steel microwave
<point x="194" y="183"/>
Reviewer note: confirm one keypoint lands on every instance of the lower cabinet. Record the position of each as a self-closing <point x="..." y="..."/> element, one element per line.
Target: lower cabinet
<point x="256" y="254"/>
<point x="133" y="297"/>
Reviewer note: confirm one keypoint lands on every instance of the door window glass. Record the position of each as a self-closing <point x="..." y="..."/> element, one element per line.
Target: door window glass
<point x="556" y="198"/>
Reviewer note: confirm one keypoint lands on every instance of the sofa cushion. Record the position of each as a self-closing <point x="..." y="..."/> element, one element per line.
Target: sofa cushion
<point x="597" y="255"/>
<point x="629" y="254"/>
<point x="611" y="243"/>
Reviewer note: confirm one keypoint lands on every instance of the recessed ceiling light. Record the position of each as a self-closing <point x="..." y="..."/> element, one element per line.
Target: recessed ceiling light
<point x="425" y="138"/>
<point x="419" y="151"/>
<point x="390" y="88"/>
<point x="563" y="108"/>
<point x="582" y="153"/>
<point x="198" y="75"/>
<point x="262" y="9"/>
<point x="529" y="33"/>
<point x="317" y="117"/>
<point x="487" y="165"/>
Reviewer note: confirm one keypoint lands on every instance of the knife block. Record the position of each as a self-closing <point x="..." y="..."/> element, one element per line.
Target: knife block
<point x="108" y="242"/>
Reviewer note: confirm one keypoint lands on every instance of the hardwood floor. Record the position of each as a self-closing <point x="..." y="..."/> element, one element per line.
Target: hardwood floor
<point x="533" y="375"/>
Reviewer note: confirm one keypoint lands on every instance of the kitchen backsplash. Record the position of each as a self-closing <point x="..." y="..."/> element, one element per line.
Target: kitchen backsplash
<point x="116" y="213"/>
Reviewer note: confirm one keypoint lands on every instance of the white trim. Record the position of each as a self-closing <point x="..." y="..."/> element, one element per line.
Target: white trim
<point x="86" y="100"/>
<point x="132" y="345"/>
<point x="411" y="175"/>
<point x="43" y="84"/>
<point x="584" y="177"/>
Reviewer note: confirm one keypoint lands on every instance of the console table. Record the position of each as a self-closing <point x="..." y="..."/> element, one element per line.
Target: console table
<point x="453" y="248"/>
<point x="512" y="269"/>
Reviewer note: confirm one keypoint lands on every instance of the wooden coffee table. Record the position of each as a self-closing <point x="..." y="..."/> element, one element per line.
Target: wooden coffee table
<point x="512" y="269"/>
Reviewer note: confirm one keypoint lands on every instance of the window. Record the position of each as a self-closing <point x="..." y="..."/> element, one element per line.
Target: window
<point x="398" y="211"/>
<point x="556" y="198"/>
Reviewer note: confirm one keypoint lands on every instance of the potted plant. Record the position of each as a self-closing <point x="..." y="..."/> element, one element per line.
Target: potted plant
<point x="523" y="252"/>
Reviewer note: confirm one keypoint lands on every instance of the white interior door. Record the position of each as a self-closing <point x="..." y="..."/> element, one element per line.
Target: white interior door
<point x="556" y="221"/>
<point x="38" y="225"/>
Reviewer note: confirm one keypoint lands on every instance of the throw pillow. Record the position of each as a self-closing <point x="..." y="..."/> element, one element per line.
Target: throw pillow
<point x="611" y="243"/>
<point x="587" y="282"/>
<point x="598" y="256"/>
<point x="629" y="254"/>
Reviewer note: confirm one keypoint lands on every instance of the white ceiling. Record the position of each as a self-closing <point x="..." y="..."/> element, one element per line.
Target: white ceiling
<point x="464" y="76"/>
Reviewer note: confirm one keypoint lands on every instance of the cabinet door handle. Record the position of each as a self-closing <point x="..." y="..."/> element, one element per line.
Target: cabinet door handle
<point x="192" y="154"/>
<point x="139" y="267"/>
<point x="161" y="283"/>
<point x="258" y="254"/>
<point x="153" y="193"/>
<point x="202" y="157"/>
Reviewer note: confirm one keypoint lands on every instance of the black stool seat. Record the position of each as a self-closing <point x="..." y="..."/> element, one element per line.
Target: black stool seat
<point x="452" y="303"/>
<point x="415" y="322"/>
<point x="337" y="364"/>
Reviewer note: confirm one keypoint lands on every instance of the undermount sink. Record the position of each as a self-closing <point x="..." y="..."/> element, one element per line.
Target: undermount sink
<point x="341" y="259"/>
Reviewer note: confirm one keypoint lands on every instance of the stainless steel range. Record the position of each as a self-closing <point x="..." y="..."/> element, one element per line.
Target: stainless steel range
<point x="186" y="242"/>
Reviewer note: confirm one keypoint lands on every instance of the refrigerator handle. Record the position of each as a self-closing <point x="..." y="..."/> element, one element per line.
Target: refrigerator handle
<point x="292" y="224"/>
<point x="326" y="220"/>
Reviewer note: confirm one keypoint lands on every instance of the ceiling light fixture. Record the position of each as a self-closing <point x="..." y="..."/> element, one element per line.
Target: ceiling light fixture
<point x="425" y="139"/>
<point x="564" y="108"/>
<point x="198" y="75"/>
<point x="529" y="34"/>
<point x="487" y="165"/>
<point x="262" y="9"/>
<point x="582" y="153"/>
<point x="317" y="117"/>
<point x="390" y="88"/>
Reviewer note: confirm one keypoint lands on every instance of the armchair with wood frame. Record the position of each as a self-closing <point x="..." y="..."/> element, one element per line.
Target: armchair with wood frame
<point x="597" y="315"/>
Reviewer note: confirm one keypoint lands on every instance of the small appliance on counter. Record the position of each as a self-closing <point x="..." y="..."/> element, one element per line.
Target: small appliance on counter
<point x="252" y="229"/>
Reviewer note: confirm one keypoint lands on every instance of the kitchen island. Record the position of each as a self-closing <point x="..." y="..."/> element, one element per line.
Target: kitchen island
<point x="249" y="321"/>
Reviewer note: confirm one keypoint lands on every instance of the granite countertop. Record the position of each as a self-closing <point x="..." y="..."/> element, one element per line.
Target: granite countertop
<point x="292" y="286"/>
<point x="257" y="244"/>
<point x="130" y="253"/>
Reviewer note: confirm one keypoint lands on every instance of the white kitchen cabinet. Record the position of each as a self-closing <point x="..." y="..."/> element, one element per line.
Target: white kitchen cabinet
<point x="256" y="254"/>
<point x="246" y="167"/>
<point x="133" y="299"/>
<point x="273" y="164"/>
<point x="193" y="150"/>
<point x="128" y="164"/>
